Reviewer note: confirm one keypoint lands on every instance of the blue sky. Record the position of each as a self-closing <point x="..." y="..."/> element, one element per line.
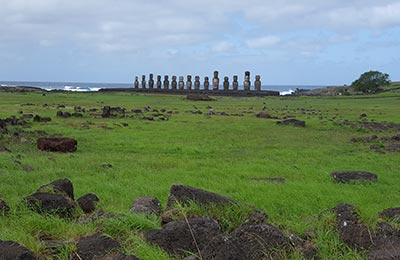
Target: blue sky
<point x="286" y="42"/>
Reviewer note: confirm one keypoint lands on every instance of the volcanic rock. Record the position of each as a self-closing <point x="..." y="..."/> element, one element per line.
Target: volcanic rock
<point x="96" y="245"/>
<point x="88" y="202"/>
<point x="176" y="237"/>
<point x="57" y="144"/>
<point x="147" y="205"/>
<point x="48" y="203"/>
<point x="10" y="250"/>
<point x="390" y="213"/>
<point x="349" y="176"/>
<point x="292" y="122"/>
<point x="4" y="208"/>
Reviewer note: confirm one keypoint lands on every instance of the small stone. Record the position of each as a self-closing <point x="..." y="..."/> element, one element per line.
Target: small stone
<point x="146" y="205"/>
<point x="88" y="202"/>
<point x="27" y="168"/>
<point x="348" y="176"/>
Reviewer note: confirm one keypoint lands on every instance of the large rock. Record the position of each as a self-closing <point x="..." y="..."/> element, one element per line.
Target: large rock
<point x="387" y="249"/>
<point x="4" y="208"/>
<point x="179" y="237"/>
<point x="117" y="256"/>
<point x="146" y="205"/>
<point x="292" y="122"/>
<point x="390" y="213"/>
<point x="48" y="203"/>
<point x="184" y="194"/>
<point x="261" y="241"/>
<point x="88" y="202"/>
<point x="94" y="246"/>
<point x="349" y="176"/>
<point x="352" y="231"/>
<point x="10" y="250"/>
<point x="223" y="248"/>
<point x="60" y="186"/>
<point x="57" y="144"/>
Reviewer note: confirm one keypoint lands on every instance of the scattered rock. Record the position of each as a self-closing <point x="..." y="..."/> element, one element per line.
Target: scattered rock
<point x="261" y="241"/>
<point x="117" y="256"/>
<point x="61" y="186"/>
<point x="349" y="176"/>
<point x="38" y="118"/>
<point x="94" y="246"/>
<point x="265" y="116"/>
<point x="4" y="208"/>
<point x="292" y="122"/>
<point x="113" y="111"/>
<point x="63" y="114"/>
<point x="223" y="248"/>
<point x="106" y="166"/>
<point x="4" y="150"/>
<point x="386" y="249"/>
<point x="352" y="231"/>
<point x="199" y="97"/>
<point x="147" y="205"/>
<point x="177" y="238"/>
<point x="277" y="180"/>
<point x="10" y="250"/>
<point x="47" y="203"/>
<point x="170" y="215"/>
<point x="390" y="213"/>
<point x="57" y="144"/>
<point x="88" y="202"/>
<point x="184" y="194"/>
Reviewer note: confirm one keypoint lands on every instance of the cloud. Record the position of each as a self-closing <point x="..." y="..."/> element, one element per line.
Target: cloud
<point x="263" y="42"/>
<point x="223" y="47"/>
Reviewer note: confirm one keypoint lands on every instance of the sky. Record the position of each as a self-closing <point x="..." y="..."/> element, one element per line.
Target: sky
<point x="302" y="42"/>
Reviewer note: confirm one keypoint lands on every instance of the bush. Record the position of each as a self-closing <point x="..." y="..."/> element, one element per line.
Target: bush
<point x="371" y="81"/>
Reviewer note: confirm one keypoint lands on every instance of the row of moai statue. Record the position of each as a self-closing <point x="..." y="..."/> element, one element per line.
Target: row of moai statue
<point x="180" y="84"/>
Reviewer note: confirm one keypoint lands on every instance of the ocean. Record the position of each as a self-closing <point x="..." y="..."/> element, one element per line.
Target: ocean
<point x="85" y="87"/>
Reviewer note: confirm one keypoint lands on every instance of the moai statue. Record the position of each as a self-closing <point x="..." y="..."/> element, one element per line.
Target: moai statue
<point x="196" y="82"/>
<point x="159" y="81"/>
<point x="215" y="81"/>
<point x="143" y="82"/>
<point x="247" y="82"/>
<point x="257" y="83"/>
<point x="226" y="83"/>
<point x="151" y="81"/>
<point x="235" y="83"/>
<point x="189" y="82"/>
<point x="181" y="83"/>
<point x="136" y="84"/>
<point x="166" y="82"/>
<point x="206" y="83"/>
<point x="174" y="83"/>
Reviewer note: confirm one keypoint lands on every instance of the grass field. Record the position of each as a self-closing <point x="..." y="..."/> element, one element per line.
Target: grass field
<point x="219" y="153"/>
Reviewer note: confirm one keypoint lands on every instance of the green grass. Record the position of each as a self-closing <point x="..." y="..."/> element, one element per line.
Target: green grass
<point x="216" y="153"/>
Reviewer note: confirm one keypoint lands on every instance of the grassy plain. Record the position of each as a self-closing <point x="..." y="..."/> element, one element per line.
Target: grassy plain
<point x="218" y="153"/>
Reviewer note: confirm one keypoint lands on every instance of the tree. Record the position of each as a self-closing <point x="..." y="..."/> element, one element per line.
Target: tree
<point x="371" y="81"/>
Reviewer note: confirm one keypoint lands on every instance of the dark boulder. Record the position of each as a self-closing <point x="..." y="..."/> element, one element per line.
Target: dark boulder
<point x="38" y="118"/>
<point x="349" y="176"/>
<point x="88" y="202"/>
<point x="386" y="249"/>
<point x="106" y="112"/>
<point x="48" y="203"/>
<point x="184" y="194"/>
<point x="390" y="213"/>
<point x="147" y="205"/>
<point x="4" y="208"/>
<point x="10" y="250"/>
<point x="117" y="256"/>
<point x="61" y="186"/>
<point x="57" y="144"/>
<point x="352" y="231"/>
<point x="63" y="114"/>
<point x="94" y="246"/>
<point x="292" y="122"/>
<point x="262" y="241"/>
<point x="223" y="248"/>
<point x="180" y="237"/>
<point x="265" y="116"/>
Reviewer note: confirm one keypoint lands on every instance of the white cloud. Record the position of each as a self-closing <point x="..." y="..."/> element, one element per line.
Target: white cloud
<point x="263" y="42"/>
<point x="223" y="47"/>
